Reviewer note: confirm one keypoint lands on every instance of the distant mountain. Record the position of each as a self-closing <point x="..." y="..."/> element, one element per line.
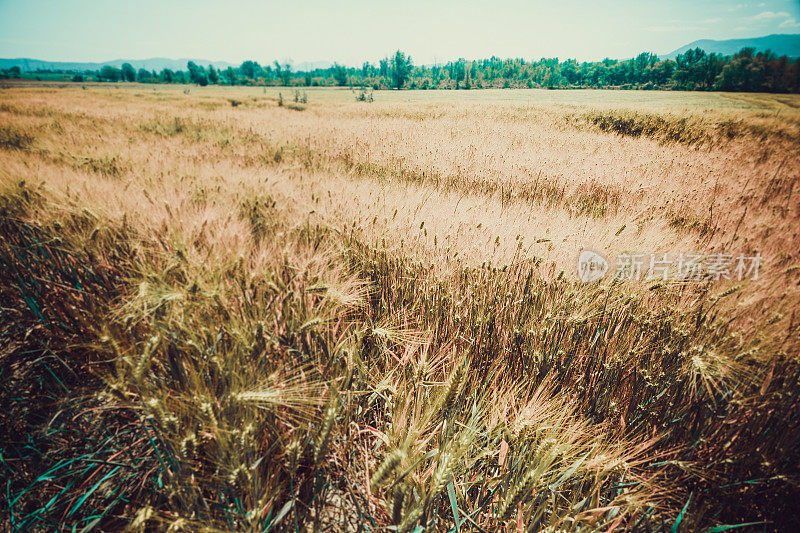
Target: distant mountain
<point x="781" y="44"/>
<point x="155" y="63"/>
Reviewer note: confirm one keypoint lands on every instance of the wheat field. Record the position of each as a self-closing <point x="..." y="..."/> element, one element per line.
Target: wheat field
<point x="276" y="310"/>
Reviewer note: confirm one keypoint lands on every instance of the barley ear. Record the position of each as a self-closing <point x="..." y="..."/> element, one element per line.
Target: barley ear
<point x="325" y="433"/>
<point x="398" y="503"/>
<point x="387" y="468"/>
<point x="515" y="495"/>
<point x="454" y="386"/>
<point x="410" y="520"/>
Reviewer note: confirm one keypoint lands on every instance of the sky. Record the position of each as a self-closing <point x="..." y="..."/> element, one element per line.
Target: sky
<point x="353" y="31"/>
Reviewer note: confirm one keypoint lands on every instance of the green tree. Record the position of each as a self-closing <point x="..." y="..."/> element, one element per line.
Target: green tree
<point x="109" y="73"/>
<point x="570" y="71"/>
<point x="553" y="79"/>
<point x="366" y="70"/>
<point x="458" y="71"/>
<point x="642" y="66"/>
<point x="250" y="69"/>
<point x="143" y="75"/>
<point x="781" y="80"/>
<point x="213" y="77"/>
<point x="128" y="73"/>
<point x="689" y="68"/>
<point x="340" y="75"/>
<point x="231" y="75"/>
<point x="197" y="74"/>
<point x="739" y="73"/>
<point x="285" y="74"/>
<point x="662" y="72"/>
<point x="401" y="69"/>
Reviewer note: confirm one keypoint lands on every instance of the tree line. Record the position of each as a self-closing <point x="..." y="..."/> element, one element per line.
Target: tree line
<point x="694" y="70"/>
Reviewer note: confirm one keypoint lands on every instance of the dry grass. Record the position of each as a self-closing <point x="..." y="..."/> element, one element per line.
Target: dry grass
<point x="225" y="316"/>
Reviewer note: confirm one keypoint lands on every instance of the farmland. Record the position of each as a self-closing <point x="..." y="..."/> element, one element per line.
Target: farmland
<point x="258" y="308"/>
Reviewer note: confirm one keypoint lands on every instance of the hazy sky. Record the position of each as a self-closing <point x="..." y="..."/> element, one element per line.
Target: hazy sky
<point x="351" y="31"/>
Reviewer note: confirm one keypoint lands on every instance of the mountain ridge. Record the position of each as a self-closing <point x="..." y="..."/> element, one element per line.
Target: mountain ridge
<point x="781" y="44"/>
<point x="153" y="63"/>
